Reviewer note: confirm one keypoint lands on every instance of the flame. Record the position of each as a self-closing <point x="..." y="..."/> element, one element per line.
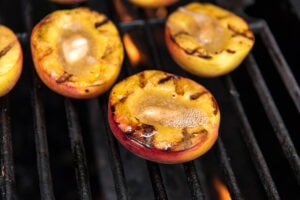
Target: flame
<point x="132" y="50"/>
<point x="123" y="13"/>
<point x="221" y="189"/>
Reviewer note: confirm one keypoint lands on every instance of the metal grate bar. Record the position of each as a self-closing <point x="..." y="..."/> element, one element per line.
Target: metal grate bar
<point x="7" y="180"/>
<point x="228" y="172"/>
<point x="252" y="145"/>
<point x="115" y="161"/>
<point x="157" y="181"/>
<point x="193" y="180"/>
<point x="43" y="165"/>
<point x="78" y="150"/>
<point x="274" y="116"/>
<point x="154" y="50"/>
<point x="280" y="63"/>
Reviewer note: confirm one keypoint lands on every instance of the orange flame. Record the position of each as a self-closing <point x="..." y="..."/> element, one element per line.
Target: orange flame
<point x="222" y="190"/>
<point x="132" y="50"/>
<point x="124" y="14"/>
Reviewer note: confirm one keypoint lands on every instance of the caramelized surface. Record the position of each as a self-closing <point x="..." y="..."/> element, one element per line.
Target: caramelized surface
<point x="151" y="109"/>
<point x="11" y="59"/>
<point x="77" y="52"/>
<point x="207" y="40"/>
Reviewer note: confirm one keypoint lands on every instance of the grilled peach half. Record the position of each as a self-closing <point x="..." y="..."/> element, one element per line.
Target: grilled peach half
<point x="163" y="117"/>
<point x="207" y="40"/>
<point x="77" y="53"/>
<point x="153" y="3"/>
<point x="11" y="60"/>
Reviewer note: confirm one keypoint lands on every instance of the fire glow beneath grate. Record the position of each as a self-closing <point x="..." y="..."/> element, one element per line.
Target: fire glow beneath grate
<point x="53" y="147"/>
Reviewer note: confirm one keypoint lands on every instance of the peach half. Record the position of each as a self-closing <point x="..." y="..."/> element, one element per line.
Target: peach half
<point x="163" y="117"/>
<point x="153" y="3"/>
<point x="11" y="60"/>
<point x="77" y="53"/>
<point x="207" y="40"/>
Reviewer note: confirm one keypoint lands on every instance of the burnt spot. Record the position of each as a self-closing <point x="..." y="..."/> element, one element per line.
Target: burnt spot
<point x="7" y="48"/>
<point x="203" y="131"/>
<point x="113" y="108"/>
<point x="197" y="95"/>
<point x="98" y="24"/>
<point x="148" y="129"/>
<point x="215" y="105"/>
<point x="246" y="33"/>
<point x="87" y="90"/>
<point x="64" y="77"/>
<point x="230" y="51"/>
<point x="142" y="80"/>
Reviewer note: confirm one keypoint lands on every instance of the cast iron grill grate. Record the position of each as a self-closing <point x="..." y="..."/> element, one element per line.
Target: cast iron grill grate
<point x="58" y="148"/>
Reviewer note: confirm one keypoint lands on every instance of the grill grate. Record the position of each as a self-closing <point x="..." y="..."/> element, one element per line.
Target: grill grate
<point x="58" y="148"/>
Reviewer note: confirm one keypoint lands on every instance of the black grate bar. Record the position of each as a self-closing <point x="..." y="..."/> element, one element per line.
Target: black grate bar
<point x="280" y="63"/>
<point x="115" y="161"/>
<point x="157" y="181"/>
<point x="7" y="177"/>
<point x="78" y="150"/>
<point x="139" y="23"/>
<point x="193" y="181"/>
<point x="40" y="133"/>
<point x="153" y="48"/>
<point x="274" y="116"/>
<point x="230" y="177"/>
<point x="252" y="145"/>
<point x="43" y="164"/>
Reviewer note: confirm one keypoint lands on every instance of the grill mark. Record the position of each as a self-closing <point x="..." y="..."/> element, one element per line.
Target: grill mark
<point x="199" y="51"/>
<point x="108" y="50"/>
<point x="186" y="142"/>
<point x="104" y="21"/>
<point x="64" y="77"/>
<point x="243" y="33"/>
<point x="45" y="53"/>
<point x="197" y="95"/>
<point x="142" y="80"/>
<point x="230" y="51"/>
<point x="178" y="87"/>
<point x="163" y="80"/>
<point x="7" y="48"/>
<point x="215" y="105"/>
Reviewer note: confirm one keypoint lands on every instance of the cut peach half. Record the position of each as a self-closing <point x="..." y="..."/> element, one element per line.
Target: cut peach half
<point x="163" y="117"/>
<point x="207" y="40"/>
<point x="11" y="60"/>
<point x="77" y="53"/>
<point x="153" y="3"/>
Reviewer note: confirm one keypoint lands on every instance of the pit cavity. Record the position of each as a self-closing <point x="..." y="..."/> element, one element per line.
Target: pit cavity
<point x="75" y="48"/>
<point x="157" y="108"/>
<point x="206" y="30"/>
